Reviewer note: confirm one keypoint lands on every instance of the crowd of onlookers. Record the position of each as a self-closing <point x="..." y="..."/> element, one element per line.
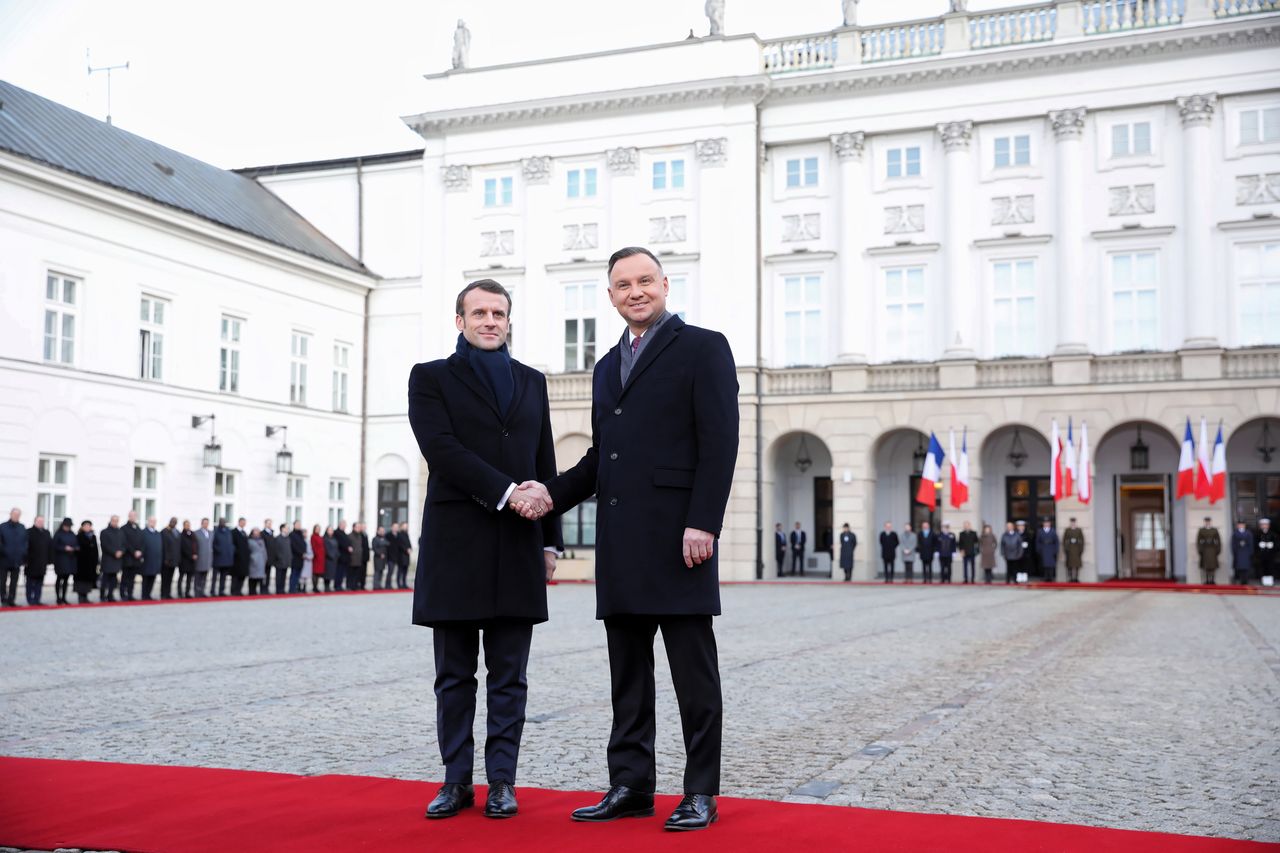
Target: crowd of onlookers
<point x="206" y="561"/>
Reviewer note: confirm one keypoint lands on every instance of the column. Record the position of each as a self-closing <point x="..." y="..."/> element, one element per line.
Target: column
<point x="538" y="341"/>
<point x="1068" y="284"/>
<point x="856" y="304"/>
<point x="714" y="246"/>
<point x="960" y="302"/>
<point x="1197" y="220"/>
<point x="628" y="226"/>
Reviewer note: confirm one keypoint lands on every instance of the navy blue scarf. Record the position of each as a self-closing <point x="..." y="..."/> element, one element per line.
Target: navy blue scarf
<point x="494" y="368"/>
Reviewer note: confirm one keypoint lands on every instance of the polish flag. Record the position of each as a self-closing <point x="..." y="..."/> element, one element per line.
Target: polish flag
<point x="1084" y="474"/>
<point x="1218" y="469"/>
<point x="1055" y="464"/>
<point x="927" y="494"/>
<point x="1202" y="463"/>
<point x="960" y="470"/>
<point x="1070" y="471"/>
<point x="1186" y="465"/>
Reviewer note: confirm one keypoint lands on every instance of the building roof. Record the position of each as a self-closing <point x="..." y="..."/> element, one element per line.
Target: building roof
<point x="413" y="155"/>
<point x="49" y="133"/>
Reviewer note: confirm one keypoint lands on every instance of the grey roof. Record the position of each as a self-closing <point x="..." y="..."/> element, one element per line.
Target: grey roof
<point x="57" y="136"/>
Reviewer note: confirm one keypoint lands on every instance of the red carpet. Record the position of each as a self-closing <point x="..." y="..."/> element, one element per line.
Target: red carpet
<point x="206" y="600"/>
<point x="46" y="804"/>
<point x="1161" y="586"/>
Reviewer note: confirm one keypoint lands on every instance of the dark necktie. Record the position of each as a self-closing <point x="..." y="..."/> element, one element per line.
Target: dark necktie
<point x="635" y="346"/>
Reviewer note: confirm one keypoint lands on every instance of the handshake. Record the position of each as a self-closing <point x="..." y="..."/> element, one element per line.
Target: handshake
<point x="531" y="499"/>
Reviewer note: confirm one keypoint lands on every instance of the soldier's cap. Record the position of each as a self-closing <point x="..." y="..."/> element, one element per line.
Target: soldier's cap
<point x="1073" y="521"/>
<point x="1264" y="521"/>
<point x="1208" y="518"/>
<point x="1020" y="521"/>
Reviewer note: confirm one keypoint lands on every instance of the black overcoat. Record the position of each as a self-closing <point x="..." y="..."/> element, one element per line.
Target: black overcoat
<point x="132" y="546"/>
<point x="888" y="546"/>
<point x="240" y="548"/>
<point x="662" y="457"/>
<point x="474" y="561"/>
<point x="39" y="551"/>
<point x="111" y="540"/>
<point x="848" y="541"/>
<point x="64" y="561"/>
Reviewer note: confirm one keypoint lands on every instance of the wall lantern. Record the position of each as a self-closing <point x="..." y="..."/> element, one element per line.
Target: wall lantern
<point x="212" y="450"/>
<point x="1017" y="453"/>
<point x="284" y="456"/>
<point x="1139" y="454"/>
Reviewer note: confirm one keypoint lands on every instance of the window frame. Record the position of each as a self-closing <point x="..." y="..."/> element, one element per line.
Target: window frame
<point x="63" y="310"/>
<point x="1035" y="334"/>
<point x="584" y="316"/>
<point x="805" y="310"/>
<point x="1114" y="344"/>
<point x="49" y="492"/>
<point x="1237" y="285"/>
<point x="299" y="358"/>
<point x="144" y="497"/>
<point x="151" y="337"/>
<point x="230" y="341"/>
<point x="341" y="376"/>
<point x="920" y="350"/>
<point x="295" y="486"/>
<point x="503" y="191"/>
<point x="225" y="492"/>
<point x="337" y="500"/>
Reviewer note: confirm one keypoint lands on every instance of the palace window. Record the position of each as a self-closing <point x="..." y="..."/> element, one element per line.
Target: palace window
<point x="1258" y="293"/>
<point x="224" y="495"/>
<point x="802" y="172"/>
<point x="902" y="162"/>
<point x="229" y="356"/>
<point x="1012" y="151"/>
<point x="146" y="489"/>
<point x="802" y="319"/>
<point x="1135" y="318"/>
<point x="579" y="326"/>
<point x="1131" y="139"/>
<point x="151" y="338"/>
<point x="299" y="350"/>
<point x="903" y="320"/>
<point x="497" y="191"/>
<point x="1260" y="125"/>
<point x="341" y="375"/>
<point x="668" y="174"/>
<point x="1013" y="289"/>
<point x="53" y="485"/>
<point x="61" y="293"/>
<point x="581" y="183"/>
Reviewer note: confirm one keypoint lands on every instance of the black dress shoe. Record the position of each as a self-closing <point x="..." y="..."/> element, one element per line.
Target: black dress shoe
<point x="696" y="811"/>
<point x="501" y="801"/>
<point x="452" y="798"/>
<point x="621" y="801"/>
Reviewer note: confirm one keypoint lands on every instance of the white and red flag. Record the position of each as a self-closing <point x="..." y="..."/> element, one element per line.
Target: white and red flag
<point x="960" y="470"/>
<point x="927" y="494"/>
<point x="1187" y="465"/>
<point x="1203" y="477"/>
<point x="1084" y="466"/>
<point x="1070" y="470"/>
<point x="1218" y="470"/>
<point x="1055" y="464"/>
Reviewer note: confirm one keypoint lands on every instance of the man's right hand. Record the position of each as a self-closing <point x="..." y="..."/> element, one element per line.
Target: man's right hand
<point x="531" y="499"/>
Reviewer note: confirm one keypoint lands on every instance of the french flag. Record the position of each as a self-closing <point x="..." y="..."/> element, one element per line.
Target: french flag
<point x="1203" y="478"/>
<point x="1070" y="471"/>
<point x="960" y="470"/>
<point x="927" y="494"/>
<point x="1218" y="487"/>
<point x="1187" y="465"/>
<point x="1084" y="474"/>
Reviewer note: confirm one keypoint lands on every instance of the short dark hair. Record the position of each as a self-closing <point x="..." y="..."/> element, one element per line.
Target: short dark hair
<point x="488" y="285"/>
<point x="632" y="251"/>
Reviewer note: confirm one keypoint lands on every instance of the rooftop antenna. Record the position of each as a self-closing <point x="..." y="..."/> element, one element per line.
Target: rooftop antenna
<point x="108" y="69"/>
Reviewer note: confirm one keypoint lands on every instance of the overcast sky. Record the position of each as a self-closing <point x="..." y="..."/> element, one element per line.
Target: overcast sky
<point x="252" y="82"/>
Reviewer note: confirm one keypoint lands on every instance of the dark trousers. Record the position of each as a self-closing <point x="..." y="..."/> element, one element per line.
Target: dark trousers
<point x="10" y="580"/>
<point x="888" y="570"/>
<point x="35" y="586"/>
<point x="109" y="581"/>
<point x="1050" y="572"/>
<point x="402" y="576"/>
<point x="219" y="584"/>
<point x="148" y="586"/>
<point x="339" y="577"/>
<point x="907" y="566"/>
<point x="354" y="581"/>
<point x="797" y="564"/>
<point x="848" y="572"/>
<point x="695" y="673"/>
<point x="282" y="575"/>
<point x="237" y="584"/>
<point x="295" y="579"/>
<point x="61" y="586"/>
<point x="379" y="569"/>
<point x="944" y="566"/>
<point x="126" y="584"/>
<point x="969" y="568"/>
<point x="166" y="581"/>
<point x="257" y="586"/>
<point x="200" y="584"/>
<point x="988" y="575"/>
<point x="506" y="657"/>
<point x="782" y="563"/>
<point x="926" y="569"/>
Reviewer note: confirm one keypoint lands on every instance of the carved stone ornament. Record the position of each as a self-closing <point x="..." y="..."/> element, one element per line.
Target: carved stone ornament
<point x="455" y="177"/>
<point x="668" y="229"/>
<point x="1258" y="189"/>
<point x="797" y="227"/>
<point x="1197" y="109"/>
<point x="1136" y="199"/>
<point x="495" y="243"/>
<point x="1013" y="209"/>
<point x="585" y="236"/>
<point x="622" y="161"/>
<point x="536" y="170"/>
<point x="711" y="152"/>
<point x="956" y="135"/>
<point x="1067" y="124"/>
<point x="849" y="146"/>
<point x="904" y="219"/>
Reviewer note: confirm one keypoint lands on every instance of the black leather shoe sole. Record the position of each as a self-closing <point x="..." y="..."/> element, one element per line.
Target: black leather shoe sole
<point x="630" y="813"/>
<point x="675" y="827"/>
<point x="465" y="804"/>
<point x="499" y="815"/>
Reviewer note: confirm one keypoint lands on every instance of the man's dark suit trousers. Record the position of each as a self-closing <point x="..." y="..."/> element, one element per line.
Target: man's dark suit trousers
<point x="506" y="657"/>
<point x="695" y="674"/>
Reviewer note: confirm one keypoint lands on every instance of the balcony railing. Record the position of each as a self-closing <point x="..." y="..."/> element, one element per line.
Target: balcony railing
<point x="1251" y="364"/>
<point x="1109" y="16"/>
<point x="1232" y="8"/>
<point x="803" y="53"/>
<point x="1002" y="27"/>
<point x="1136" y="367"/>
<point x="569" y="386"/>
<point x="901" y="41"/>
<point x="902" y="377"/>
<point x="1014" y="372"/>
<point x="815" y="380"/>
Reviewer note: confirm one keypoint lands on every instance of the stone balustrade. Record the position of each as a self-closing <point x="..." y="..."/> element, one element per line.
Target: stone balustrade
<point x="1232" y="8"/>
<point x="1261" y="363"/>
<point x="1136" y="367"/>
<point x="816" y="380"/>
<point x="901" y="41"/>
<point x="1109" y="16"/>
<point x="902" y="377"/>
<point x="1010" y="373"/>
<point x="568" y="386"/>
<point x="803" y="53"/>
<point x="1002" y="27"/>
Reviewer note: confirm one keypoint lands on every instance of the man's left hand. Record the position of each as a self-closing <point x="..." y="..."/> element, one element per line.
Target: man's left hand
<point x="549" y="558"/>
<point x="699" y="545"/>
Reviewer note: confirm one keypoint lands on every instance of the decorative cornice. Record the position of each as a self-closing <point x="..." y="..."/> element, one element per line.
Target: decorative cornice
<point x="849" y="145"/>
<point x="956" y="135"/>
<point x="1197" y="109"/>
<point x="1067" y="124"/>
<point x="1127" y="233"/>
<point x="622" y="161"/>
<point x="536" y="170"/>
<point x="711" y="152"/>
<point x="456" y="177"/>
<point x="1013" y="240"/>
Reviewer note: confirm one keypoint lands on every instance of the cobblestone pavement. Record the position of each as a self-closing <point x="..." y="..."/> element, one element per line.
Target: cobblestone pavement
<point x="1140" y="710"/>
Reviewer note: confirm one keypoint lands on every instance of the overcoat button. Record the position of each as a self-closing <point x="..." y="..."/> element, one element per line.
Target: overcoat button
<point x="613" y="501"/>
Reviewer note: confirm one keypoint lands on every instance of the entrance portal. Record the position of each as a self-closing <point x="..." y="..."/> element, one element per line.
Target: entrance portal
<point x="1144" y="530"/>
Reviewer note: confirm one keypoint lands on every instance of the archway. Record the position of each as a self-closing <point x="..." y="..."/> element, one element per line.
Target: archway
<point x="1253" y="471"/>
<point x="800" y="491"/>
<point x="1139" y="535"/>
<point x="897" y="458"/>
<point x="1015" y="484"/>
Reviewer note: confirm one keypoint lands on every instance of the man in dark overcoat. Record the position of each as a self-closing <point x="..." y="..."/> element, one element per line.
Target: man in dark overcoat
<point x="404" y="552"/>
<point x="1242" y="553"/>
<point x="13" y="554"/>
<point x="848" y="542"/>
<point x="152" y="557"/>
<point x="664" y="417"/>
<point x="132" y="556"/>
<point x="240" y="561"/>
<point x="298" y="553"/>
<point x="112" y="543"/>
<point x="1267" y="543"/>
<point x="926" y="547"/>
<point x="342" y="573"/>
<point x="799" y="540"/>
<point x="483" y="423"/>
<point x="780" y="548"/>
<point x="171" y="538"/>
<point x="888" y="551"/>
<point x="39" y="556"/>
<point x="1047" y="550"/>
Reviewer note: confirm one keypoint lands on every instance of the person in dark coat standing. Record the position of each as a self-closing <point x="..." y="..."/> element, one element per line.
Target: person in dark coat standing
<point x="988" y="547"/>
<point x="268" y="542"/>
<point x="1209" y="547"/>
<point x="204" y="557"/>
<point x="799" y="539"/>
<point x="1011" y="547"/>
<point x="848" y="542"/>
<point x="360" y="553"/>
<point x="188" y="557"/>
<point x="664" y="417"/>
<point x="1073" y="550"/>
<point x="379" y="546"/>
<point x="283" y="558"/>
<point x="66" y="548"/>
<point x="405" y="551"/>
<point x="152" y="558"/>
<point x="342" y="574"/>
<point x="968" y="545"/>
<point x="1267" y="543"/>
<point x="240" y="560"/>
<point x="483" y="423"/>
<point x="132" y="556"/>
<point x="86" y="562"/>
<point x="393" y="555"/>
<point x="13" y="553"/>
<point x="298" y="545"/>
<point x="171" y="542"/>
<point x="780" y="548"/>
<point x="112" y="542"/>
<point x="1047" y="545"/>
<point x="39" y="556"/>
<point x="947" y="545"/>
<point x="927" y="547"/>
<point x="888" y="551"/>
<point x="224" y="557"/>
<point x="1241" y="553"/>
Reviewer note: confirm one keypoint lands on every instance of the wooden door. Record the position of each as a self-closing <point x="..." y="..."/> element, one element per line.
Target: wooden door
<point x="1146" y="531"/>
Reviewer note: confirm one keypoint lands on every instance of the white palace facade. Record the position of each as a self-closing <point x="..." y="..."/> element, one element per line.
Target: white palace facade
<point x="981" y="222"/>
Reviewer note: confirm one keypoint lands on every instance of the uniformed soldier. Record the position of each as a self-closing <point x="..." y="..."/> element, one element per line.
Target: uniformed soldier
<point x="1208" y="546"/>
<point x="946" y="551"/>
<point x="1073" y="549"/>
<point x="1241" y="553"/>
<point x="1267" y="544"/>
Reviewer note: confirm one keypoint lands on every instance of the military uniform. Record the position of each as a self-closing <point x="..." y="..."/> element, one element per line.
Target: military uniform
<point x="1242" y="554"/>
<point x="1267" y="543"/>
<point x="1208" y="546"/>
<point x="1073" y="551"/>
